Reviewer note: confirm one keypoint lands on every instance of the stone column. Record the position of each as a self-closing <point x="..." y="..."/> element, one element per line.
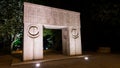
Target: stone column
<point x="33" y="41"/>
<point x="38" y="44"/>
<point x="75" y="41"/>
<point x="28" y="44"/>
<point x="78" y="50"/>
<point x="65" y="41"/>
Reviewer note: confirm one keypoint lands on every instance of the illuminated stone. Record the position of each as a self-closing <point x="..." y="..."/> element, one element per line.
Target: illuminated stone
<point x="37" y="17"/>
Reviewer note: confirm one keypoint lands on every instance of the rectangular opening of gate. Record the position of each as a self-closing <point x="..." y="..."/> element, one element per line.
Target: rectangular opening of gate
<point x="38" y="17"/>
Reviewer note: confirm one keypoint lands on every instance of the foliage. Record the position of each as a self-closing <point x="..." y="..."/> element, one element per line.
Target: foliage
<point x="11" y="16"/>
<point x="52" y="39"/>
<point x="47" y="32"/>
<point x="11" y="21"/>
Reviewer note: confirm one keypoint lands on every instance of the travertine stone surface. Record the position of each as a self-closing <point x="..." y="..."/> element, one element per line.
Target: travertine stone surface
<point x="37" y="17"/>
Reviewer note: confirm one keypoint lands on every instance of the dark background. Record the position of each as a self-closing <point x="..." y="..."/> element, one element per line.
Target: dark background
<point x="100" y="23"/>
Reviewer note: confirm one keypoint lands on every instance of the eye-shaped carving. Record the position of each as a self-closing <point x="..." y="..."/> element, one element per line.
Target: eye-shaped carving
<point x="33" y="31"/>
<point x="75" y="33"/>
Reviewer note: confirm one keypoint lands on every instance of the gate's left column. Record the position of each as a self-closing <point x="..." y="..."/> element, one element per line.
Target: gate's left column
<point x="33" y="41"/>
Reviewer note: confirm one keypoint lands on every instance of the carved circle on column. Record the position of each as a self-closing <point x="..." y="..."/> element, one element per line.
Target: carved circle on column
<point x="74" y="32"/>
<point x="33" y="31"/>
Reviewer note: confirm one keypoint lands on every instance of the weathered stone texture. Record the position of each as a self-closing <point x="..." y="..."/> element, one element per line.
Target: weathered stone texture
<point x="37" y="17"/>
<point x="48" y="15"/>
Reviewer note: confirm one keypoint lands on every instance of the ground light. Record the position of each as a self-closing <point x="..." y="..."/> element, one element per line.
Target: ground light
<point x="86" y="58"/>
<point x="46" y="48"/>
<point x="37" y="64"/>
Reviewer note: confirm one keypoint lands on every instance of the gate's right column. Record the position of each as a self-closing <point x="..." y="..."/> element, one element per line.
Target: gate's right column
<point x="75" y="41"/>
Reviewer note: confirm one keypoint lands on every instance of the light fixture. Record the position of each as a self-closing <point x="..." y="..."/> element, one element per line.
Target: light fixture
<point x="37" y="64"/>
<point x="46" y="48"/>
<point x="86" y="58"/>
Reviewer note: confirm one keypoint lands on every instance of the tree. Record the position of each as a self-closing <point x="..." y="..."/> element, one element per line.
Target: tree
<point x="11" y="20"/>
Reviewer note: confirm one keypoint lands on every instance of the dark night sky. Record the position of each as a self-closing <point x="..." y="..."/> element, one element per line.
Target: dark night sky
<point x="94" y="32"/>
<point x="64" y="4"/>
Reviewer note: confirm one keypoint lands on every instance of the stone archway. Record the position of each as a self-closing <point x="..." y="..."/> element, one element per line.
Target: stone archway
<point x="37" y="17"/>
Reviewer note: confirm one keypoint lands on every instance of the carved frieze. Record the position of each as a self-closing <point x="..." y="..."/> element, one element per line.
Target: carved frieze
<point x="33" y="31"/>
<point x="75" y="33"/>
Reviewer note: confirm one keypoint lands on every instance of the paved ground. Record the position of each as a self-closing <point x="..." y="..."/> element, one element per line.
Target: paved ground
<point x="95" y="61"/>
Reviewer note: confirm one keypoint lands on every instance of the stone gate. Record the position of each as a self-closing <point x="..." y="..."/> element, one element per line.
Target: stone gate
<point x="37" y="17"/>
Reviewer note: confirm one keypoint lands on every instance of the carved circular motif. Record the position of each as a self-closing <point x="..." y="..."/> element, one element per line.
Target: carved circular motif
<point x="75" y="33"/>
<point x="33" y="31"/>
